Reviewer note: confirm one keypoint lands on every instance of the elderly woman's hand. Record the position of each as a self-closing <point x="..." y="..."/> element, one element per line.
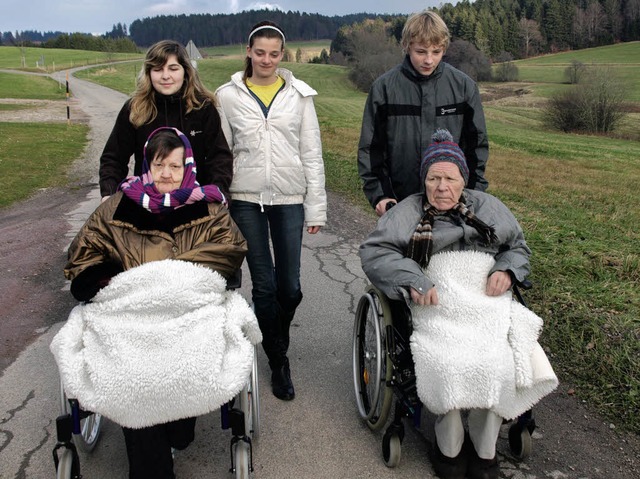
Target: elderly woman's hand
<point x="498" y="283"/>
<point x="429" y="298"/>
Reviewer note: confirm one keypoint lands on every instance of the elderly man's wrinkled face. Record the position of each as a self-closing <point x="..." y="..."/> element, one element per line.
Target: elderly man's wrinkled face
<point x="444" y="184"/>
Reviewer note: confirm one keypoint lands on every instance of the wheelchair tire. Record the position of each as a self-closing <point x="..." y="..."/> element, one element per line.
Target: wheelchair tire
<point x="89" y="427"/>
<point x="520" y="442"/>
<point x="242" y="460"/>
<point x="391" y="450"/>
<point x="254" y="399"/>
<point x="249" y="402"/>
<point x="372" y="368"/>
<point x="65" y="465"/>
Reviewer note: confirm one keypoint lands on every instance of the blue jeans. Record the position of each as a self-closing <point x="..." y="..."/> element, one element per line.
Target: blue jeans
<point x="275" y="280"/>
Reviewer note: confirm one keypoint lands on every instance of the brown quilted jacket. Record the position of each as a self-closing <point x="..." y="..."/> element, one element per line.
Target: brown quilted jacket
<point x="122" y="233"/>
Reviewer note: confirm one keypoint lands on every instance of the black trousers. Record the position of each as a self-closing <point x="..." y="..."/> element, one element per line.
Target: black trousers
<point x="149" y="448"/>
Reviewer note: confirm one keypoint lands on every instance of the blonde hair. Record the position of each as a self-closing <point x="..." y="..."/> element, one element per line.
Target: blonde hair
<point x="425" y="27"/>
<point x="194" y="93"/>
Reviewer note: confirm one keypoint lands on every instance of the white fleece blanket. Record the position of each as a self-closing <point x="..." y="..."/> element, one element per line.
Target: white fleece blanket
<point x="473" y="350"/>
<point x="161" y="342"/>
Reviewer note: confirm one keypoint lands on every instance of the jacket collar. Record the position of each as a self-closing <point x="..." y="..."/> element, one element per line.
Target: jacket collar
<point x="132" y="214"/>
<point x="407" y="69"/>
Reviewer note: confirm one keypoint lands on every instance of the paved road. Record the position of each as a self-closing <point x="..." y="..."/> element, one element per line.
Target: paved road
<point x="319" y="434"/>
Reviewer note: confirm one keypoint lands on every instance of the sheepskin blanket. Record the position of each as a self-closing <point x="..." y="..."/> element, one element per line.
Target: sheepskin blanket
<point x="163" y="341"/>
<point x="473" y="350"/>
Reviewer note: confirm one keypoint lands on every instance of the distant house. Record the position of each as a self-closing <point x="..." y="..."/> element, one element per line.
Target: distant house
<point x="194" y="54"/>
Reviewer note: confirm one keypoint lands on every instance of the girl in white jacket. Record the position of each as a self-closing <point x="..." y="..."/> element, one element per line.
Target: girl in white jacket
<point x="270" y="123"/>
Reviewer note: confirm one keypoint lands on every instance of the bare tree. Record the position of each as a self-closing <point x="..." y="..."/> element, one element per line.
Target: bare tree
<point x="614" y="15"/>
<point x="529" y="31"/>
<point x="596" y="20"/>
<point x="575" y="72"/>
<point x="506" y="70"/>
<point x="373" y="52"/>
<point x="597" y="106"/>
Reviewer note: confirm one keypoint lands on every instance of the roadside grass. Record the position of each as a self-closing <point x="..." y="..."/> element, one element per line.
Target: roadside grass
<point x="576" y="198"/>
<point x="16" y="85"/>
<point x="549" y="70"/>
<point x="54" y="59"/>
<point x="35" y="156"/>
<point x="15" y="106"/>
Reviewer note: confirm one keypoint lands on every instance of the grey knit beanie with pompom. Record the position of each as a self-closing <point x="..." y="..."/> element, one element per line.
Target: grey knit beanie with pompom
<point x="443" y="148"/>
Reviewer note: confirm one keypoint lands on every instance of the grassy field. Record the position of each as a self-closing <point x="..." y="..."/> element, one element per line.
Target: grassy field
<point x="55" y="59"/>
<point x="575" y="196"/>
<point x="36" y="156"/>
<point x="309" y="49"/>
<point x="30" y="87"/>
<point x="623" y="61"/>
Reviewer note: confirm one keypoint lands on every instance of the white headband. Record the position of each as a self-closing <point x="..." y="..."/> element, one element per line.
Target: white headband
<point x="269" y="27"/>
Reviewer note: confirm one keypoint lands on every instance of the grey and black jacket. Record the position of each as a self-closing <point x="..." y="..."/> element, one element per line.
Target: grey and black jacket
<point x="383" y="253"/>
<point x="402" y="111"/>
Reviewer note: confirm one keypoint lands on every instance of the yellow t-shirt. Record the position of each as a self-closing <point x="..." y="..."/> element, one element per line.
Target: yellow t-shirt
<point x="266" y="93"/>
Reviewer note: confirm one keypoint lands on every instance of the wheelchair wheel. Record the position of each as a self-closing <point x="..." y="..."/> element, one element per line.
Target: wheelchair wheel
<point x="89" y="426"/>
<point x="242" y="460"/>
<point x="391" y="450"/>
<point x="250" y="401"/>
<point x="520" y="442"/>
<point x="65" y="465"/>
<point x="372" y="367"/>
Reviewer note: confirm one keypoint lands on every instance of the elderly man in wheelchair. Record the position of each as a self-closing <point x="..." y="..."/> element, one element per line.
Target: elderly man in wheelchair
<point x="451" y="255"/>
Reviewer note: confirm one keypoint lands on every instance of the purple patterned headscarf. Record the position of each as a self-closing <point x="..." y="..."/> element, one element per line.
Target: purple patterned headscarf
<point x="143" y="191"/>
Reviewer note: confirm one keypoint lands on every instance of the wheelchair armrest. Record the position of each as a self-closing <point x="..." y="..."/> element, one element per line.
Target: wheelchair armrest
<point x="235" y="280"/>
<point x="524" y="284"/>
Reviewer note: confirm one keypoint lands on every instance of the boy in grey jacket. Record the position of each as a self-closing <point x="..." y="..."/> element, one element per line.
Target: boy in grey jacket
<point x="407" y="104"/>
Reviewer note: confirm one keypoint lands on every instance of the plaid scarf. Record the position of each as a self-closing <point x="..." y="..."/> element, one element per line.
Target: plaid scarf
<point x="142" y="190"/>
<point x="421" y="242"/>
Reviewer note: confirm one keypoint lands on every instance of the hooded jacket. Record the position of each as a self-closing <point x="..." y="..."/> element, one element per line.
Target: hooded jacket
<point x="402" y="111"/>
<point x="277" y="158"/>
<point x="210" y="149"/>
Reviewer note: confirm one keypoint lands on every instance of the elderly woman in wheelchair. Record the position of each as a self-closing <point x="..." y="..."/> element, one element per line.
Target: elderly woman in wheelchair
<point x="158" y="339"/>
<point x="451" y="255"/>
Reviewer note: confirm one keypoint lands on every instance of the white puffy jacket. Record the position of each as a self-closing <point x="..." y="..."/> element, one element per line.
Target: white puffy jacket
<point x="278" y="158"/>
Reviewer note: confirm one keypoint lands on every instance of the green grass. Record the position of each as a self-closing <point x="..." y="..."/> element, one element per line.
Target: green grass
<point x="14" y="106"/>
<point x="311" y="47"/>
<point x="576" y="197"/>
<point x="549" y="70"/>
<point x="36" y="156"/>
<point x="16" y="85"/>
<point x="55" y="59"/>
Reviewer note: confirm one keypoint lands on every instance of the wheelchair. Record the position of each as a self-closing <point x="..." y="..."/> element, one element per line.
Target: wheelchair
<point x="383" y="369"/>
<point x="79" y="430"/>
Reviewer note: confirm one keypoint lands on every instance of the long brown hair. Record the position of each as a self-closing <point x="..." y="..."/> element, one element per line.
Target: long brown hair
<point x="275" y="32"/>
<point x="194" y="93"/>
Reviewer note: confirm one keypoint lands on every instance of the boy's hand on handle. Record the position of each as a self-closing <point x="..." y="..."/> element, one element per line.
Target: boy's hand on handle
<point x="385" y="205"/>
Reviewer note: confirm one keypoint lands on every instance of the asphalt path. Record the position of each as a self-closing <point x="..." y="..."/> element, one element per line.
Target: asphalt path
<point x="317" y="435"/>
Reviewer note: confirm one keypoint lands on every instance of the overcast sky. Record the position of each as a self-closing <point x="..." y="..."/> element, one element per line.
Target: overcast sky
<point x="99" y="16"/>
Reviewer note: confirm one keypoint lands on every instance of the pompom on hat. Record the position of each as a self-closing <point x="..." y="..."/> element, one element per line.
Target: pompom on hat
<point x="443" y="148"/>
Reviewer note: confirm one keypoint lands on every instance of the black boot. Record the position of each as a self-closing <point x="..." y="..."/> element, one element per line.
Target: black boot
<point x="281" y="384"/>
<point x="285" y="318"/>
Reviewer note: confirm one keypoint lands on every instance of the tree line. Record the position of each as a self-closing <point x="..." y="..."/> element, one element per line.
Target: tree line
<point x="520" y="28"/>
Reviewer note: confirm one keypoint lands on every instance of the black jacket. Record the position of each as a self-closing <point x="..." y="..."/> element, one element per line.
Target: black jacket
<point x="202" y="127"/>
<point x="402" y="111"/>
